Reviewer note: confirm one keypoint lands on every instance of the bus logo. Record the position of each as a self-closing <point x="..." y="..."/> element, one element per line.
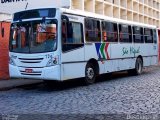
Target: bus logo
<point x="102" y="50"/>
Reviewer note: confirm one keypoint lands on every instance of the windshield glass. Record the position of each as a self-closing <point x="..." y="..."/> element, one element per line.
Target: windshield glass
<point x="33" y="36"/>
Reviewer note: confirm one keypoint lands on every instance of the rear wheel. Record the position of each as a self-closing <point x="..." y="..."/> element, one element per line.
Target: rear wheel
<point x="138" y="68"/>
<point x="90" y="74"/>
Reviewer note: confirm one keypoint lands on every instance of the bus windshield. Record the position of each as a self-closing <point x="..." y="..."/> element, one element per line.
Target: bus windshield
<point x="34" y="36"/>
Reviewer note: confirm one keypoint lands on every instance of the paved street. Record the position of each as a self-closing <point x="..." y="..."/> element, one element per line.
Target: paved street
<point x="119" y="94"/>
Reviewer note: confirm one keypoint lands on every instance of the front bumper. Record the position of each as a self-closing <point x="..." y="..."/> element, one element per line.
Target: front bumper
<point x="46" y="73"/>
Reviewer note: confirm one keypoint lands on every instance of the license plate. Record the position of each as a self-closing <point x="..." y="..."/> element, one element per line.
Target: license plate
<point x="28" y="70"/>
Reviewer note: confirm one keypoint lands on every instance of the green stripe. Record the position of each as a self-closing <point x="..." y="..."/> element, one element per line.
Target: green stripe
<point x="102" y="50"/>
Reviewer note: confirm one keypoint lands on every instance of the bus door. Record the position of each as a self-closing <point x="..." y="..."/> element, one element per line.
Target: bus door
<point x="72" y="48"/>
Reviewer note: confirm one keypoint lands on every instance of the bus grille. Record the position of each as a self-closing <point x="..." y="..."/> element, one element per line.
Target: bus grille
<point x="30" y="60"/>
<point x="34" y="73"/>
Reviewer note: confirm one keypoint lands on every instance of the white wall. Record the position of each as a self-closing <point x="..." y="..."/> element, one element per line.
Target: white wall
<point x="19" y="5"/>
<point x="5" y="17"/>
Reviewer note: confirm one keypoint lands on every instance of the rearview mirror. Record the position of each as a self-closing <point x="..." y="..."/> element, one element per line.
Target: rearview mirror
<point x="43" y="19"/>
<point x="64" y="17"/>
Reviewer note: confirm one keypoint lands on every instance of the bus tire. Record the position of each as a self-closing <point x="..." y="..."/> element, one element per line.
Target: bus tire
<point x="90" y="74"/>
<point x="139" y="66"/>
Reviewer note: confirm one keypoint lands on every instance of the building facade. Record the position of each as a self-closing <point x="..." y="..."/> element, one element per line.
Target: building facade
<point x="143" y="11"/>
<point x="5" y="16"/>
<point x="4" y="43"/>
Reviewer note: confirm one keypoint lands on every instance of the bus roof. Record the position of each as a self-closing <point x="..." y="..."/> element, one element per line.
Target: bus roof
<point x="103" y="17"/>
<point x="94" y="15"/>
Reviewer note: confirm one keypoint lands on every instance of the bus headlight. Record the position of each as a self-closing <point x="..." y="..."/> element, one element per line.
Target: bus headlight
<point x="52" y="62"/>
<point x="11" y="61"/>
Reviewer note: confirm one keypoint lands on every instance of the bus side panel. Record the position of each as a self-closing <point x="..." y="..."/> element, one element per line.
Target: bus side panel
<point x="110" y="66"/>
<point x="154" y="60"/>
<point x="148" y="53"/>
<point x="122" y="56"/>
<point x="72" y="64"/>
<point x="146" y="61"/>
<point x="73" y="70"/>
<point x="151" y="60"/>
<point x="98" y="52"/>
<point x="145" y="50"/>
<point x="90" y="51"/>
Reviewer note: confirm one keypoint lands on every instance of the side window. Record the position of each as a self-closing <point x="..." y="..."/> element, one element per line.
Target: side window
<point x="109" y="32"/>
<point x="154" y="35"/>
<point x="75" y="33"/>
<point x="92" y="30"/>
<point x="148" y="35"/>
<point x="138" y="34"/>
<point x="72" y="35"/>
<point x="125" y="33"/>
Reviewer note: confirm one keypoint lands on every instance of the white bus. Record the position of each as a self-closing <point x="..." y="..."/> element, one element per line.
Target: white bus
<point x="61" y="44"/>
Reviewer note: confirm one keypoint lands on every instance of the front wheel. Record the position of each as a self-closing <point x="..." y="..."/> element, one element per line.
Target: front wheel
<point x="90" y="74"/>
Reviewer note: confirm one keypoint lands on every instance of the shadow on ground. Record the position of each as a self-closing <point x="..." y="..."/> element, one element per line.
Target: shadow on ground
<point x="75" y="83"/>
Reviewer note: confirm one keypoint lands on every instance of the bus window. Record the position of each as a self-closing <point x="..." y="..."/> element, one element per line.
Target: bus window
<point x="72" y="36"/>
<point x="138" y="34"/>
<point x="148" y="35"/>
<point x="125" y="33"/>
<point x="45" y="34"/>
<point x="92" y="30"/>
<point x="34" y="37"/>
<point x="154" y="36"/>
<point x="109" y="32"/>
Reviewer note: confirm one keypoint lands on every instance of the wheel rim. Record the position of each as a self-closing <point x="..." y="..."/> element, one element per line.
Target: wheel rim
<point x="90" y="73"/>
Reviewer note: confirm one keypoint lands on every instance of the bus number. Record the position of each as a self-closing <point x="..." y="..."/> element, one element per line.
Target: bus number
<point x="48" y="56"/>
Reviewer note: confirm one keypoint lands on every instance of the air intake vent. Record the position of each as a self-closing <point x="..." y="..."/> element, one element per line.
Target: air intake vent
<point x="31" y="60"/>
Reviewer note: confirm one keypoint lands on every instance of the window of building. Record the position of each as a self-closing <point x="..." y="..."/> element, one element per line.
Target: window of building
<point x="92" y="30"/>
<point x="148" y="35"/>
<point x="72" y="35"/>
<point x="125" y="33"/>
<point x="138" y="34"/>
<point x="109" y="32"/>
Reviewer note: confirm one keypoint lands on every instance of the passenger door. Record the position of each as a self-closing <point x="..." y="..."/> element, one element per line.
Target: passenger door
<point x="72" y="56"/>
